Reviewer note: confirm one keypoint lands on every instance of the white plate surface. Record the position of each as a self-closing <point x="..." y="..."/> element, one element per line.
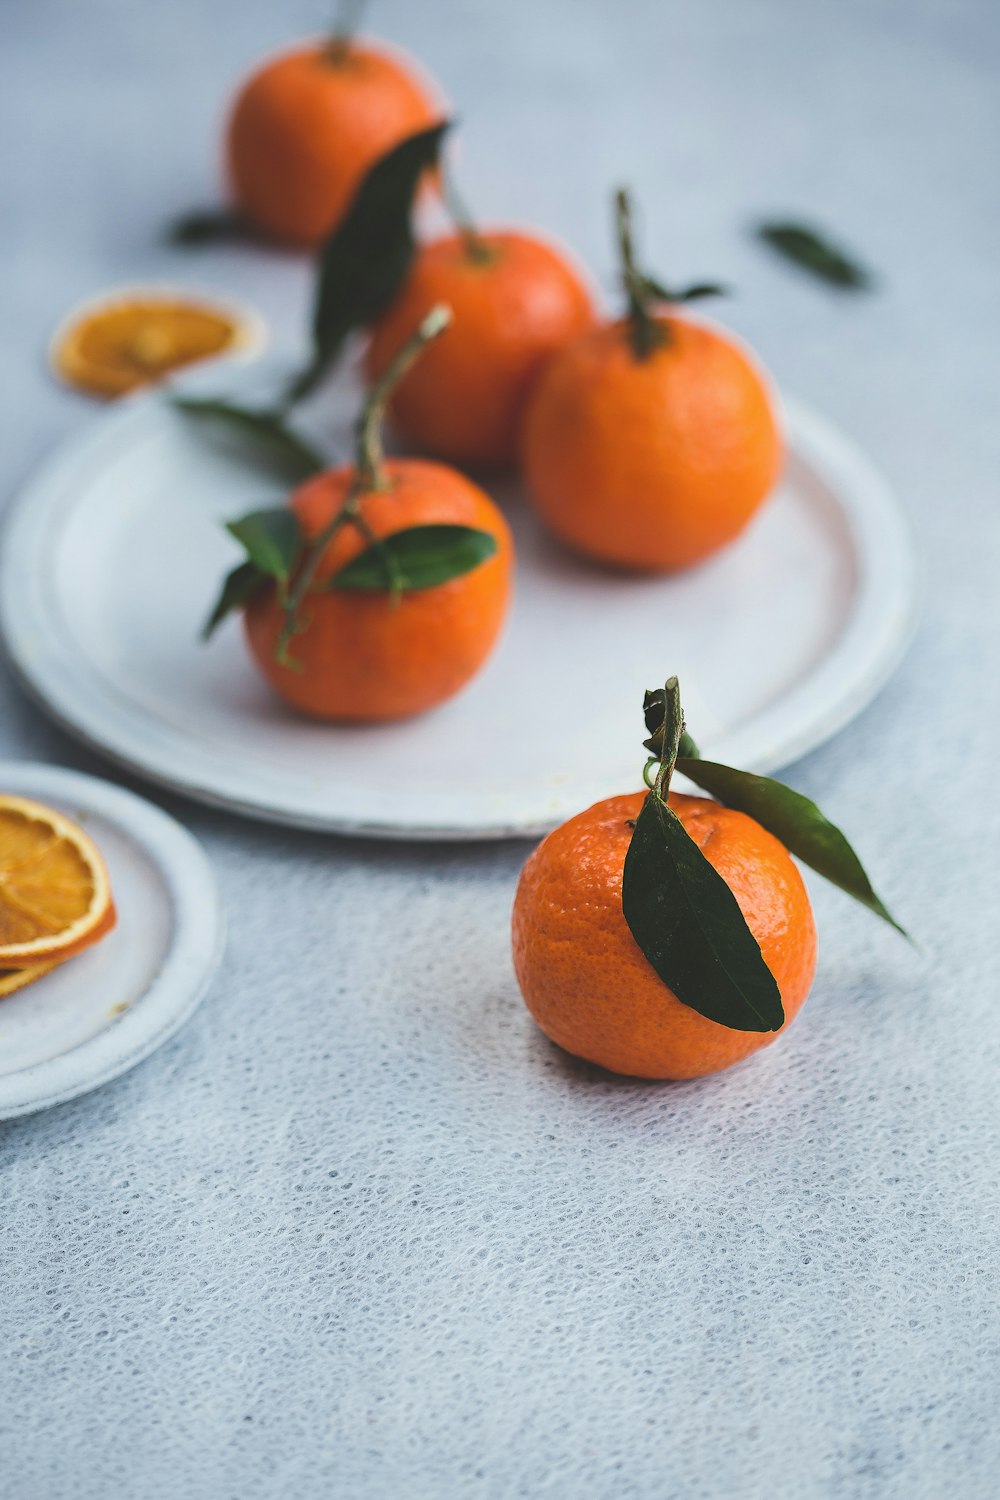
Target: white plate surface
<point x="113" y="554"/>
<point x="105" y="1010"/>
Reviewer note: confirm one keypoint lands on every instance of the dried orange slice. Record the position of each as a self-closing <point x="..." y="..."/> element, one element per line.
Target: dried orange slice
<point x="55" y="896"/>
<point x="135" y="338"/>
<point x="17" y="979"/>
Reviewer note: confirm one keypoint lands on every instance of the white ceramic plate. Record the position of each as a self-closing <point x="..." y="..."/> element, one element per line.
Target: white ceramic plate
<point x="105" y="1010"/>
<point x="114" y="553"/>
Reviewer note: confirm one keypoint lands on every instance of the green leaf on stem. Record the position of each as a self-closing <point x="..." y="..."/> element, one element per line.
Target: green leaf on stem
<point x="365" y="260"/>
<point x="694" y="293"/>
<point x="271" y="539"/>
<point x="813" y="251"/>
<point x="238" y="588"/>
<point x="268" y="431"/>
<point x="688" y="924"/>
<point x="420" y="557"/>
<point x="682" y="913"/>
<point x="795" y="820"/>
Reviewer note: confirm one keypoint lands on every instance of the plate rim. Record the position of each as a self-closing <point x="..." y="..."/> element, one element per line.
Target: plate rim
<point x="881" y="623"/>
<point x="189" y="966"/>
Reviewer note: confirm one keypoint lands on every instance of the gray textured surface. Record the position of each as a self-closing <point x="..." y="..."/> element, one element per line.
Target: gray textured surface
<point x="360" y="1230"/>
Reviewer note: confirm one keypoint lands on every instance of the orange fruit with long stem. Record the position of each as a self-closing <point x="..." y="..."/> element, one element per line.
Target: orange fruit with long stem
<point x="306" y="127"/>
<point x="55" y="894"/>
<point x="650" y="442"/>
<point x="517" y="300"/>
<point x="668" y="936"/>
<point x="394" y="580"/>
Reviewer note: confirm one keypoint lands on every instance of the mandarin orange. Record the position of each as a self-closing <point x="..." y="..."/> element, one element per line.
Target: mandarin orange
<point x="585" y="979"/>
<point x="516" y="301"/>
<point x="366" y="655"/>
<point x="651" y="463"/>
<point x="307" y="126"/>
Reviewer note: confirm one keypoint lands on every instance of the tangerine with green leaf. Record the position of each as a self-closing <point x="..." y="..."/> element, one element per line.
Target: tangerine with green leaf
<point x="517" y="300"/>
<point x="307" y="126"/>
<point x="667" y="936"/>
<point x="651" y="441"/>
<point x="383" y="586"/>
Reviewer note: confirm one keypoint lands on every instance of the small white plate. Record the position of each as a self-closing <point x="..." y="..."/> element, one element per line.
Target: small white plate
<point x="113" y="555"/>
<point x="105" y="1010"/>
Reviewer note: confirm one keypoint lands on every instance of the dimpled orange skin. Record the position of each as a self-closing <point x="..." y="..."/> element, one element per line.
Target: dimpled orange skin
<point x="363" y="656"/>
<point x="585" y="979"/>
<point x="650" y="464"/>
<point x="512" y="312"/>
<point x="306" y="128"/>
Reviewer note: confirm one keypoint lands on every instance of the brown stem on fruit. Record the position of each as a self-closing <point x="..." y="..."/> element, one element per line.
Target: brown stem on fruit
<point x="370" y="454"/>
<point x="673" y="729"/>
<point x="475" y="247"/>
<point x="646" y="334"/>
<point x="369" y="473"/>
<point x="349" y="13"/>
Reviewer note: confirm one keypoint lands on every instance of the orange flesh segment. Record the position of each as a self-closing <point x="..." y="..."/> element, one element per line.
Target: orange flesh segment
<point x="54" y="888"/>
<point x="111" y="350"/>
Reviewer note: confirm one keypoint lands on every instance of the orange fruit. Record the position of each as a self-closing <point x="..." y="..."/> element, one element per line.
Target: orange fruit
<point x="366" y="655"/>
<point x="55" y="895"/>
<point x="650" y="463"/>
<point x="516" y="301"/>
<point x="307" y="126"/>
<point x="132" y="339"/>
<point x="585" y="979"/>
<point x="12" y="980"/>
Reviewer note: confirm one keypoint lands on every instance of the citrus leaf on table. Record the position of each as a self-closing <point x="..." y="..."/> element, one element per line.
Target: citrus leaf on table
<point x="421" y="557"/>
<point x="793" y="819"/>
<point x="268" y="430"/>
<point x="814" y="252"/>
<point x="271" y="539"/>
<point x="689" y="926"/>
<point x="238" y="589"/>
<point x="210" y="226"/>
<point x="365" y="260"/>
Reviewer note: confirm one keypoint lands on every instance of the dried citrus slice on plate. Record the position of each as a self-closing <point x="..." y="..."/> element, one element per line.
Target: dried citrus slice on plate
<point x="55" y="895"/>
<point x="18" y="979"/>
<point x="137" y="336"/>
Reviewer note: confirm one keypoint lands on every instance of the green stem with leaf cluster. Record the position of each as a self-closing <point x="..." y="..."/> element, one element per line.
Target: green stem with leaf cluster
<point x="642" y="292"/>
<point x="369" y="475"/>
<point x="645" y="332"/>
<point x="473" y="243"/>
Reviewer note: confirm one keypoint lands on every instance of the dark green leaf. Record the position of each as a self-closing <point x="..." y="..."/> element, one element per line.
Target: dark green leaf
<point x="814" y="252"/>
<point x="266" y="430"/>
<point x="793" y="819"/>
<point x="209" y="226"/>
<point x="238" y="589"/>
<point x="365" y="260"/>
<point x="688" y="924"/>
<point x="693" y="293"/>
<point x="271" y="539"/>
<point x="420" y="557"/>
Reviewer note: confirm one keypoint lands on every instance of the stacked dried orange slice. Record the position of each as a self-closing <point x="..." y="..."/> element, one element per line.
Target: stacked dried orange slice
<point x="55" y="894"/>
